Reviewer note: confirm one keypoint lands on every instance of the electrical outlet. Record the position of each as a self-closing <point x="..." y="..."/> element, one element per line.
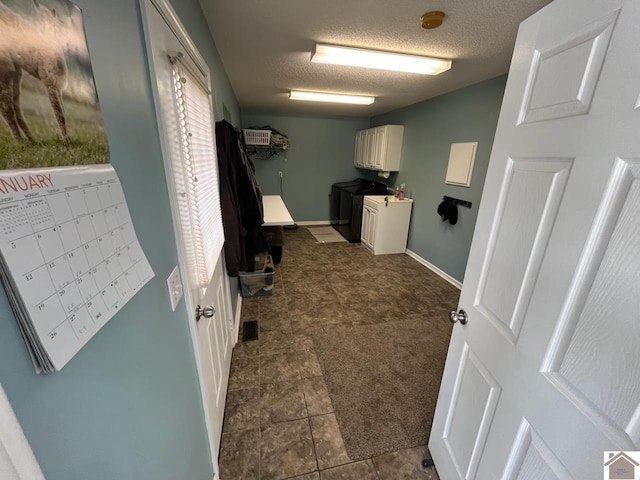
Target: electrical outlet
<point x="175" y="288"/>
<point x="280" y="174"/>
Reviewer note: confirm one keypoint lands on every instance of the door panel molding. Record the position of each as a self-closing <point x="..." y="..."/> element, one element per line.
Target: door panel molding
<point x="472" y="375"/>
<point x="589" y="48"/>
<point x="540" y="184"/>
<point x="602" y="257"/>
<point x="531" y="458"/>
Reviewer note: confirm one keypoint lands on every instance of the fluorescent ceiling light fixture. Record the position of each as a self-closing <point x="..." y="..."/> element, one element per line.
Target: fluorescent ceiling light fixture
<point x="331" y="97"/>
<point x="358" y="57"/>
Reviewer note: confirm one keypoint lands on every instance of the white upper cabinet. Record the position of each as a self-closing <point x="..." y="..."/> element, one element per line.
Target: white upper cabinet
<point x="379" y="148"/>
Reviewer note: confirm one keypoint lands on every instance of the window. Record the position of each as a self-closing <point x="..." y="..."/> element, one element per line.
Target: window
<point x="198" y="192"/>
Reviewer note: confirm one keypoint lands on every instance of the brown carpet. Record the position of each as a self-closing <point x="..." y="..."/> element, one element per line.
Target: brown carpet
<point x="383" y="380"/>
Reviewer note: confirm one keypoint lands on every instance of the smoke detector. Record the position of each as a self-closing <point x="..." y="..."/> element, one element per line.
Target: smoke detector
<point x="431" y="19"/>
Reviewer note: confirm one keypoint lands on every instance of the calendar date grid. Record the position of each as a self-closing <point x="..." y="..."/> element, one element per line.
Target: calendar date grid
<point x="88" y="303"/>
<point x="90" y="270"/>
<point x="83" y="248"/>
<point x="38" y="210"/>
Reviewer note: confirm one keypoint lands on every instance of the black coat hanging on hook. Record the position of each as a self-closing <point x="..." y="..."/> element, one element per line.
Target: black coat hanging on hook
<point x="448" y="211"/>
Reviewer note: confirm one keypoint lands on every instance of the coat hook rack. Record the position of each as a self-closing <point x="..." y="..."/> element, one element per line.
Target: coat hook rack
<point x="457" y="201"/>
<point x="263" y="153"/>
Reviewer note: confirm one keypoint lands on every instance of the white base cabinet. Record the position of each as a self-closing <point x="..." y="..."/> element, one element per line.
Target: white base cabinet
<point x="385" y="224"/>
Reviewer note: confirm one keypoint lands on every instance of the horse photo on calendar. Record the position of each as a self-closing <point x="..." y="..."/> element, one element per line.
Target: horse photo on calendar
<point x="48" y="100"/>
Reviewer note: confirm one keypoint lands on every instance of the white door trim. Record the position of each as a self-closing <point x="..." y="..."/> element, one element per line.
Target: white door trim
<point x="236" y="332"/>
<point x="17" y="461"/>
<point x="171" y="18"/>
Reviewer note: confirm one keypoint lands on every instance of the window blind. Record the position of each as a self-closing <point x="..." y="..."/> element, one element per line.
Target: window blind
<point x="198" y="187"/>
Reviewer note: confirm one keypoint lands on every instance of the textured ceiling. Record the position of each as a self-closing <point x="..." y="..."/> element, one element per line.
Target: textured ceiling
<point x="265" y="47"/>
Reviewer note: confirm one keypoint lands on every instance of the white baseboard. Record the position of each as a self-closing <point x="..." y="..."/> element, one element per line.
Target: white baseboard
<point x="314" y="222"/>
<point x="435" y="269"/>
<point x="237" y="319"/>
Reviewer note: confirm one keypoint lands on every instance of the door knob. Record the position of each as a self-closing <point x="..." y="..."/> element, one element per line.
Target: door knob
<point x="461" y="317"/>
<point x="206" y="312"/>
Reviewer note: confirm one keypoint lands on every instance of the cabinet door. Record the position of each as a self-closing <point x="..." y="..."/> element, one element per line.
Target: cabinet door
<point x="364" y="236"/>
<point x="369" y="148"/>
<point x="357" y="154"/>
<point x="363" y="149"/>
<point x="373" y="216"/>
<point x="355" y="149"/>
<point x="380" y="137"/>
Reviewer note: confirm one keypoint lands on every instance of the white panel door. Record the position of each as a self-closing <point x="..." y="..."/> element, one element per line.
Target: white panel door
<point x="212" y="335"/>
<point x="545" y="375"/>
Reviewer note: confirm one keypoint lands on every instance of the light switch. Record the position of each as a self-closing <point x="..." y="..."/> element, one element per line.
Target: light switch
<point x="175" y="287"/>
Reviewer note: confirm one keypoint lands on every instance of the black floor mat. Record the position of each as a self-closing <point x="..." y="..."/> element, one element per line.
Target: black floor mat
<point x="250" y="331"/>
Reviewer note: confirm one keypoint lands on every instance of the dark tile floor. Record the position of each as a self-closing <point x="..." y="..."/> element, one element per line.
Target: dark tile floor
<point x="279" y="421"/>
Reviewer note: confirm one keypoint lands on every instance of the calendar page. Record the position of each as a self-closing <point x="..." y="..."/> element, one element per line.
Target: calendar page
<point x="70" y="255"/>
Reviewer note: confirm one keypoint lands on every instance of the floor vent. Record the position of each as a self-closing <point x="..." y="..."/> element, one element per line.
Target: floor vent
<point x="250" y="331"/>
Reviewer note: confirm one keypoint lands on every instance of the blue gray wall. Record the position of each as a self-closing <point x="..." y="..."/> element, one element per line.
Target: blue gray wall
<point x="128" y="405"/>
<point x="430" y="127"/>
<point x="321" y="154"/>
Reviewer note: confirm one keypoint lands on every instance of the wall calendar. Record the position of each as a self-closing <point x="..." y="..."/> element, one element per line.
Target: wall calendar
<point x="69" y="256"/>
